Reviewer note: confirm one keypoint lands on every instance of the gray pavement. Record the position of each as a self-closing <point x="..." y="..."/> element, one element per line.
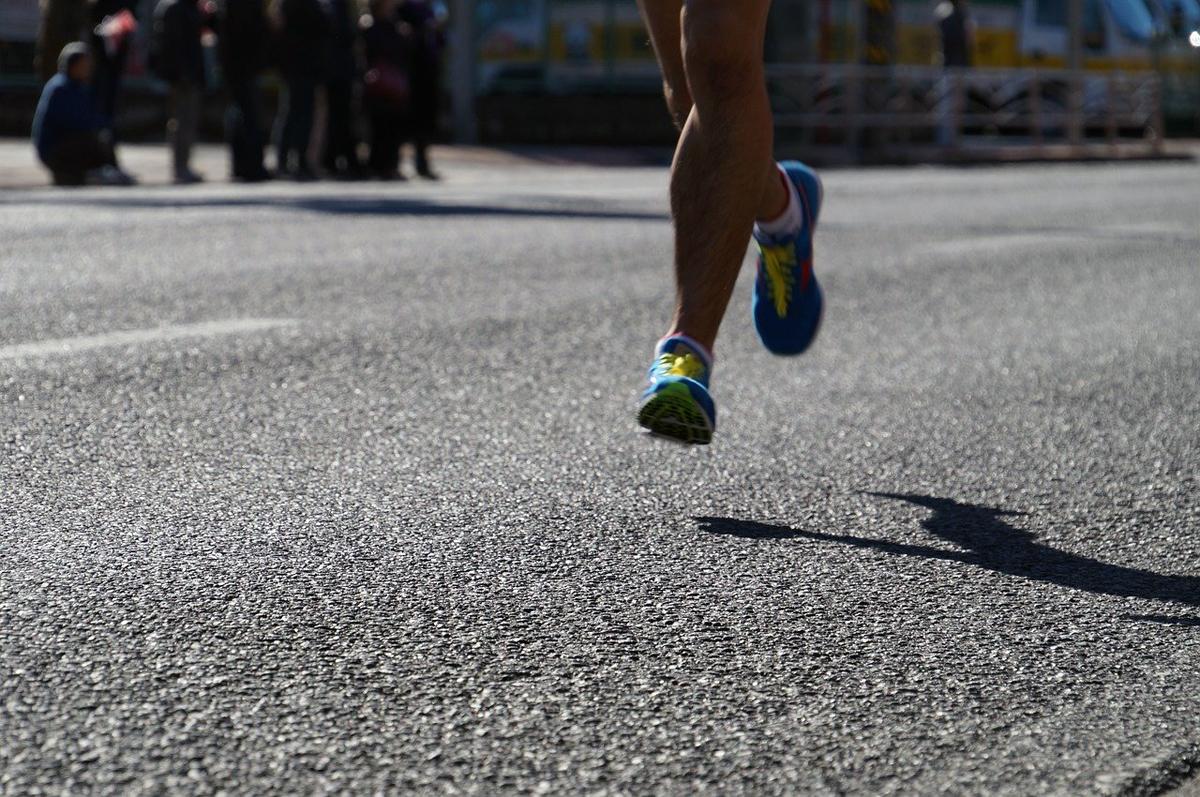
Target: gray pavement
<point x="337" y="488"/>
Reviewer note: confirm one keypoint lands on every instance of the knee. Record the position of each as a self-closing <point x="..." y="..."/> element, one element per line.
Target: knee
<point x="722" y="50"/>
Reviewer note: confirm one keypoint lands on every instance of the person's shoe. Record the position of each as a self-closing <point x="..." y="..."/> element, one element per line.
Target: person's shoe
<point x="676" y="403"/>
<point x="188" y="177"/>
<point x="121" y="177"/>
<point x="253" y="176"/>
<point x="109" y="175"/>
<point x="72" y="179"/>
<point x="788" y="303"/>
<point x="348" y="175"/>
<point x="426" y="173"/>
<point x="298" y="174"/>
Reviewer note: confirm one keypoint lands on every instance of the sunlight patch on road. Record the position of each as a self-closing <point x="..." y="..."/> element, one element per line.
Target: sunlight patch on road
<point x="1003" y="243"/>
<point x="131" y="337"/>
<point x="977" y="244"/>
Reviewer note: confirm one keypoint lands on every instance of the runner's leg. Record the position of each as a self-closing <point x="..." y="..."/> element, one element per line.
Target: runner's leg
<point x="723" y="177"/>
<point x="662" y="19"/>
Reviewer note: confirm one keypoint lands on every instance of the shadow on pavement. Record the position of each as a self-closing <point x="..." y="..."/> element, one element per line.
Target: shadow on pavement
<point x="1163" y="619"/>
<point x="992" y="543"/>
<point x="543" y="207"/>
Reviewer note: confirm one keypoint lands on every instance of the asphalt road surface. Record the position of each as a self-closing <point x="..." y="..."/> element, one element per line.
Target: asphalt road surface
<point x="337" y="488"/>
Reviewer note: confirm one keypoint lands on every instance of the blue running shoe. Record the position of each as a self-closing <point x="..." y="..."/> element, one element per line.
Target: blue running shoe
<point x="787" y="299"/>
<point x="676" y="403"/>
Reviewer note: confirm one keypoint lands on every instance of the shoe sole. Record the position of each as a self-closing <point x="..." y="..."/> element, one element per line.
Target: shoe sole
<point x="673" y="413"/>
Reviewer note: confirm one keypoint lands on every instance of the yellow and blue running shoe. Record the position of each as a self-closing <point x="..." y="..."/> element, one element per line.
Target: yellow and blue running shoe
<point x="788" y="303"/>
<point x="676" y="403"/>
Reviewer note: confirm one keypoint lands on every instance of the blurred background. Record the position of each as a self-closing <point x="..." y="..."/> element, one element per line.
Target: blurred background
<point x="851" y="80"/>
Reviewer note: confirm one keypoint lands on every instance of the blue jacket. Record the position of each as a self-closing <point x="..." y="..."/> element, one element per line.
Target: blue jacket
<point x="66" y="106"/>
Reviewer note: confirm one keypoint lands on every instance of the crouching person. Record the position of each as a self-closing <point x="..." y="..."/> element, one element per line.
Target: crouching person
<point x="70" y="135"/>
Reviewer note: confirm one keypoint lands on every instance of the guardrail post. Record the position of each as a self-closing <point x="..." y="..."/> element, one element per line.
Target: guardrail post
<point x="1110" y="121"/>
<point x="854" y="104"/>
<point x="808" y="104"/>
<point x="959" y="107"/>
<point x="1075" y="109"/>
<point x="1156" y="82"/>
<point x="1075" y="63"/>
<point x="1035" y="110"/>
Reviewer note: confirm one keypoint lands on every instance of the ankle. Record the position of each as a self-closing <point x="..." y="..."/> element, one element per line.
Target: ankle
<point x="777" y="200"/>
<point x="789" y="220"/>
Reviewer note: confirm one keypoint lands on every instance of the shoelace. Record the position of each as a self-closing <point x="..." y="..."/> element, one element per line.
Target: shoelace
<point x="780" y="262"/>
<point x="686" y="365"/>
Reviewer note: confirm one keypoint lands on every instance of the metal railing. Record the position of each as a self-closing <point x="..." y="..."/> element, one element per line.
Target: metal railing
<point x="872" y="109"/>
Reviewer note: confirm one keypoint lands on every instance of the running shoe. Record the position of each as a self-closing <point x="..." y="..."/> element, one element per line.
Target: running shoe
<point x="676" y="403"/>
<point x="788" y="303"/>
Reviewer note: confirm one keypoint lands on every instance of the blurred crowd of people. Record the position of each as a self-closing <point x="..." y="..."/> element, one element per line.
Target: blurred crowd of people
<point x="380" y="64"/>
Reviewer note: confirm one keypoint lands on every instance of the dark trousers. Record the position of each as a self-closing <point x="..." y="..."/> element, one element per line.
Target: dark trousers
<point x="421" y="139"/>
<point x="387" y="133"/>
<point x="243" y="129"/>
<point x="75" y="155"/>
<point x="341" y="150"/>
<point x="106" y="81"/>
<point x="425" y="99"/>
<point x="293" y="129"/>
<point x="181" y="128"/>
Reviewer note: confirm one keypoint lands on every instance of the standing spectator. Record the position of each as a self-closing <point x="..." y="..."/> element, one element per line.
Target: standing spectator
<point x="70" y="135"/>
<point x="241" y="34"/>
<point x="178" y="58"/>
<point x="60" y="25"/>
<point x="954" y="28"/>
<point x="386" y="90"/>
<point x="340" y="157"/>
<point x="304" y="35"/>
<point x="110" y="49"/>
<point x="429" y="40"/>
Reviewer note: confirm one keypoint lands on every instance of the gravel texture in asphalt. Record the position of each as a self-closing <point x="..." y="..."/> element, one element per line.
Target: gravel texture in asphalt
<point x="338" y="488"/>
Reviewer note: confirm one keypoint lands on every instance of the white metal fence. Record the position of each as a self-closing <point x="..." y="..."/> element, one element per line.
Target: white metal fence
<point x="887" y="110"/>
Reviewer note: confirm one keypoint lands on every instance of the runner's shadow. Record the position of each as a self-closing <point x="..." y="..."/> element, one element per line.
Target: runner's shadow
<point x="986" y="539"/>
<point x="1164" y="619"/>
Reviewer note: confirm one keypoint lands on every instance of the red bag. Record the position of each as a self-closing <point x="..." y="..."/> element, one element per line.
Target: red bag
<point x="388" y="85"/>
